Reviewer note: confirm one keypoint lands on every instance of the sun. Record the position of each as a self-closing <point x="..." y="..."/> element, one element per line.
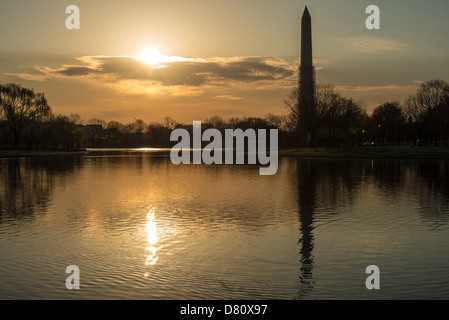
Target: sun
<point x="151" y="56"/>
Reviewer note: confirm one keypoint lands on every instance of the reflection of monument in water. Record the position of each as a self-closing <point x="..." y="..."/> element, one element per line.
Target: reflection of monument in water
<point x="306" y="172"/>
<point x="306" y="77"/>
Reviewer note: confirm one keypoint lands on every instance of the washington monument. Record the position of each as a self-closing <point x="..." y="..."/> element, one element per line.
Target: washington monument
<point x="306" y="77"/>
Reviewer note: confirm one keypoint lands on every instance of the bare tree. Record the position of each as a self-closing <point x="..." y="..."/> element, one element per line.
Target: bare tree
<point x="332" y="113"/>
<point x="429" y="96"/>
<point x="170" y="123"/>
<point x="216" y="122"/>
<point x="423" y="109"/>
<point x="76" y="119"/>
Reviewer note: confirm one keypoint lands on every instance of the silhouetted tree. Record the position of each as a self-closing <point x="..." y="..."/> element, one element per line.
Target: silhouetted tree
<point x="76" y="119"/>
<point x="389" y="121"/>
<point x="216" y="122"/>
<point x="20" y="107"/>
<point x="61" y="128"/>
<point x="159" y="135"/>
<point x="334" y="118"/>
<point x="306" y="118"/>
<point x="443" y="117"/>
<point x="114" y="132"/>
<point x="169" y="123"/>
<point x="136" y="131"/>
<point x="422" y="109"/>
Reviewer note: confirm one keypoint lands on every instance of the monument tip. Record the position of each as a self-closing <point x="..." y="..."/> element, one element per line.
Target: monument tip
<point x="306" y="13"/>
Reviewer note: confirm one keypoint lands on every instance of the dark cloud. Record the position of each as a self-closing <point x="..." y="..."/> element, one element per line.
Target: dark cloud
<point x="192" y="72"/>
<point x="75" y="71"/>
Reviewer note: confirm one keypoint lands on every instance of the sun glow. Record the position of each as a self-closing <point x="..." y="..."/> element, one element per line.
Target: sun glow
<point x="152" y="56"/>
<point x="156" y="59"/>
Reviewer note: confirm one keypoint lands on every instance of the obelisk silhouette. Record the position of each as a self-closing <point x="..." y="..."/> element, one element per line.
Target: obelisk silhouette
<point x="306" y="73"/>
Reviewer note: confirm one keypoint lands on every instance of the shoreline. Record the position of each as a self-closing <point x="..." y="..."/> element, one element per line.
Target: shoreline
<point x="388" y="152"/>
<point x="25" y="153"/>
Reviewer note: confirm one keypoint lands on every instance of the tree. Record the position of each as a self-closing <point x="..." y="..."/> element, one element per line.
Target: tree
<point x="21" y="107"/>
<point x="137" y="129"/>
<point x="389" y="119"/>
<point x="429" y="96"/>
<point x="216" y="122"/>
<point x="64" y="132"/>
<point x="76" y="119"/>
<point x="114" y="132"/>
<point x="159" y="135"/>
<point x="292" y="103"/>
<point x="422" y="109"/>
<point x="281" y="122"/>
<point x="333" y="117"/>
<point x="342" y="118"/>
<point x="169" y="123"/>
<point x="138" y="126"/>
<point x="438" y="119"/>
<point x="307" y="119"/>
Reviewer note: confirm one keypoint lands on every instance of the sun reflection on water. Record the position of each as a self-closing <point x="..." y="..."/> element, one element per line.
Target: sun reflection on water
<point x="151" y="257"/>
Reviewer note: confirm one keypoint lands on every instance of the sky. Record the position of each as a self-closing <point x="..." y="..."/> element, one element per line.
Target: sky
<point x="216" y="57"/>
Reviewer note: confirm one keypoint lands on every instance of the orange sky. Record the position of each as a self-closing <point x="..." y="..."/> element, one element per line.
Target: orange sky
<point x="238" y="58"/>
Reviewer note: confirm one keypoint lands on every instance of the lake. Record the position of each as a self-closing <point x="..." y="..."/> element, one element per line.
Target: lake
<point x="139" y="227"/>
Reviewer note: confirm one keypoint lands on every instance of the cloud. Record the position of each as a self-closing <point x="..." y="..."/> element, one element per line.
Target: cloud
<point x="75" y="71"/>
<point x="390" y="87"/>
<point x="172" y="73"/>
<point x="373" y="96"/>
<point x="227" y="97"/>
<point x="372" y="45"/>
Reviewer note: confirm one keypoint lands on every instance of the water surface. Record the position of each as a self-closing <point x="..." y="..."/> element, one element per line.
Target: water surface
<point x="139" y="227"/>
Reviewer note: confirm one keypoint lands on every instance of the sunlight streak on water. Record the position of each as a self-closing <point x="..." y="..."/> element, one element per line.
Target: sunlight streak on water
<point x="152" y="237"/>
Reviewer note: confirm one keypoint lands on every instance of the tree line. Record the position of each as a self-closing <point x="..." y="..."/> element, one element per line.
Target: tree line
<point x="334" y="120"/>
<point x="27" y="121"/>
